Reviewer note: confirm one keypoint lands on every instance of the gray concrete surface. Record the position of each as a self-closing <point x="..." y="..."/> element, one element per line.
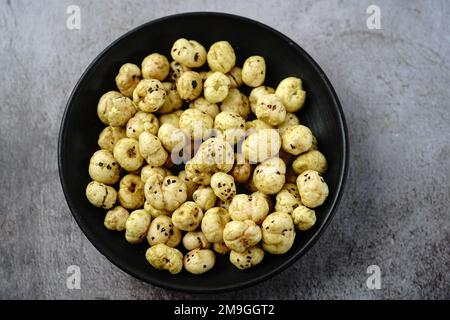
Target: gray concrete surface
<point x="394" y="87"/>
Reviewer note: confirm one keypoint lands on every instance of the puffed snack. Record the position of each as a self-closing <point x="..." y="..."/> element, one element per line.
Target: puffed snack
<point x="109" y="137"/>
<point x="221" y="248"/>
<point x="140" y="122"/>
<point x="311" y="160"/>
<point x="148" y="171"/>
<point x="137" y="225"/>
<point x="152" y="149"/>
<point x="127" y="154"/>
<point x="248" y="207"/>
<point x="254" y="71"/>
<point x="189" y="85"/>
<point x="291" y="94"/>
<point x="115" y="109"/>
<point x="213" y="223"/>
<point x="101" y="195"/>
<point x="116" y="219"/>
<point x="195" y="175"/>
<point x="189" y="53"/>
<point x="163" y="257"/>
<point x="278" y="233"/>
<point x="235" y="76"/>
<point x="104" y="168"/>
<point x="257" y="93"/>
<point x="196" y="123"/>
<point x="205" y="106"/>
<point x="304" y="218"/>
<point x="155" y="66"/>
<point x="247" y="259"/>
<point x="149" y="95"/>
<point x="261" y="145"/>
<point x="155" y="212"/>
<point x="216" y="87"/>
<point x="162" y="230"/>
<point x="173" y="101"/>
<point x="205" y="197"/>
<point x="269" y="176"/>
<point x="288" y="199"/>
<point x="195" y="240"/>
<point x="237" y="102"/>
<point x="215" y="154"/>
<point x="296" y="139"/>
<point x="241" y="235"/>
<point x="221" y="57"/>
<point x="176" y="69"/>
<point x="270" y="109"/>
<point x="191" y="186"/>
<point x="290" y="120"/>
<point x="188" y="216"/>
<point x="231" y="125"/>
<point x="166" y="193"/>
<point x="131" y="192"/>
<point x="242" y="169"/>
<point x="199" y="261"/>
<point x="312" y="188"/>
<point x="223" y="186"/>
<point x="128" y="78"/>
<point x="172" y="138"/>
<point x="173" y="118"/>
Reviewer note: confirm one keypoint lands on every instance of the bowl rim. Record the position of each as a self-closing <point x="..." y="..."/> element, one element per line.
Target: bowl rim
<point x="241" y="285"/>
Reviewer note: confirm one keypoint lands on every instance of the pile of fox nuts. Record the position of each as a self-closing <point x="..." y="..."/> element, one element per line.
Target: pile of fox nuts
<point x="188" y="160"/>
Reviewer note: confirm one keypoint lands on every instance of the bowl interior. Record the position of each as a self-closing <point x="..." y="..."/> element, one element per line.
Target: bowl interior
<point x="81" y="127"/>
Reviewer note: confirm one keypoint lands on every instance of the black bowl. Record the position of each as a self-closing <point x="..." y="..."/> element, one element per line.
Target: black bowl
<point x="81" y="126"/>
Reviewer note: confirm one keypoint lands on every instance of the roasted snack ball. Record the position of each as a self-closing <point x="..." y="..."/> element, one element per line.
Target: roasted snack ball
<point x="163" y="257"/>
<point x="155" y="212"/>
<point x="231" y="125"/>
<point x="101" y="195"/>
<point x="221" y="248"/>
<point x="142" y="121"/>
<point x="155" y="66"/>
<point x="304" y="218"/>
<point x="205" y="197"/>
<point x="195" y="175"/>
<point x="290" y="120"/>
<point x="188" y="216"/>
<point x="166" y="193"/>
<point x="116" y="219"/>
<point x="296" y="139"/>
<point x="223" y="186"/>
<point x="261" y="145"/>
<point x="269" y="176"/>
<point x="237" y="102"/>
<point x="189" y="53"/>
<point x="241" y="235"/>
<point x="172" y="138"/>
<point x="278" y="233"/>
<point x="162" y="230"/>
<point x="254" y="71"/>
<point x="128" y="78"/>
<point x="131" y="192"/>
<point x="104" y="168"/>
<point x="191" y="186"/>
<point x="222" y="204"/>
<point x="266" y="197"/>
<point x="288" y="199"/>
<point x="176" y="69"/>
<point x="311" y="160"/>
<point x="312" y="188"/>
<point x="137" y="225"/>
<point x="216" y="86"/>
<point x="148" y="171"/>
<point x="256" y="125"/>
<point x="105" y="104"/>
<point x="127" y="154"/>
<point x="173" y="100"/>
<point x="152" y="149"/>
<point x="205" y="106"/>
<point x="173" y="118"/>
<point x="109" y="137"/>
<point x="291" y="94"/>
<point x="195" y="240"/>
<point x="257" y="93"/>
<point x="247" y="259"/>
<point x="149" y="95"/>
<point x="213" y="223"/>
<point x="199" y="261"/>
<point x="248" y="207"/>
<point x="235" y="76"/>
<point x="270" y="109"/>
<point x="214" y="154"/>
<point x="115" y="109"/>
<point x="196" y="123"/>
<point x="221" y="57"/>
<point x="242" y="170"/>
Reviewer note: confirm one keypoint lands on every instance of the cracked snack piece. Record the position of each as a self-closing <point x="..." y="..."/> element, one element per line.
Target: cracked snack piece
<point x="269" y="176"/>
<point x="176" y="69"/>
<point x="191" y="186"/>
<point x="149" y="95"/>
<point x="254" y="71"/>
<point x="173" y="101"/>
<point x="248" y="207"/>
<point x="104" y="168"/>
<point x="152" y="149"/>
<point x="127" y="154"/>
<point x="148" y="171"/>
<point x="288" y="199"/>
<point x="155" y="66"/>
<point x="101" y="195"/>
<point x="166" y="193"/>
<point x="116" y="219"/>
<point x="216" y="87"/>
<point x="188" y="216"/>
<point x="221" y="57"/>
<point x="205" y="197"/>
<point x="213" y="223"/>
<point x="137" y="225"/>
<point x="223" y="186"/>
<point x="163" y="257"/>
<point x="162" y="230"/>
<point x="131" y="192"/>
<point x="291" y="94"/>
<point x="312" y="188"/>
<point x="247" y="259"/>
<point x="257" y="93"/>
<point x="235" y="76"/>
<point x="127" y="79"/>
<point x="140" y="122"/>
<point x="304" y="218"/>
<point x="195" y="240"/>
<point x="278" y="233"/>
<point x="296" y="139"/>
<point x="311" y="160"/>
<point x="241" y="235"/>
<point x="189" y="53"/>
<point x="270" y="109"/>
<point x="199" y="261"/>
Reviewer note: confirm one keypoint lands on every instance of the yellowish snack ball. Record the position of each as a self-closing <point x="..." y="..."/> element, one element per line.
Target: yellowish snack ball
<point x="116" y="219"/>
<point x="142" y="121"/>
<point x="267" y="197"/>
<point x="312" y="188"/>
<point x="290" y="120"/>
<point x="236" y="102"/>
<point x="257" y="93"/>
<point x="216" y="87"/>
<point x="215" y="154"/>
<point x="221" y="248"/>
<point x="221" y="57"/>
<point x="105" y="104"/>
<point x="205" y="197"/>
<point x="261" y="145"/>
<point x="191" y="186"/>
<point x="137" y="225"/>
<point x="173" y="118"/>
<point x="196" y="123"/>
<point x="155" y="66"/>
<point x="241" y="235"/>
<point x="288" y="199"/>
<point x="104" y="168"/>
<point x="269" y="176"/>
<point x="166" y="193"/>
<point x="278" y="233"/>
<point x="195" y="175"/>
<point x="270" y="109"/>
<point x="231" y="125"/>
<point x="189" y="53"/>
<point x="127" y="154"/>
<point x="311" y="160"/>
<point x="127" y="79"/>
<point x="148" y="171"/>
<point x="242" y="170"/>
<point x="163" y="231"/>
<point x="172" y="138"/>
<point x="188" y="216"/>
<point x="235" y="76"/>
<point x="213" y="223"/>
<point x="173" y="100"/>
<point x="254" y="71"/>
<point x="199" y="261"/>
<point x="247" y="259"/>
<point x="222" y="204"/>
<point x="195" y="240"/>
<point x="131" y="192"/>
<point x="149" y="95"/>
<point x="256" y="125"/>
<point x="163" y="257"/>
<point x="176" y="69"/>
<point x="109" y="137"/>
<point x="152" y="149"/>
<point x="304" y="218"/>
<point x="205" y="106"/>
<point x="248" y="207"/>
<point x="223" y="186"/>
<point x="155" y="212"/>
<point x="291" y="94"/>
<point x="115" y="109"/>
<point x="296" y="139"/>
<point x="101" y="195"/>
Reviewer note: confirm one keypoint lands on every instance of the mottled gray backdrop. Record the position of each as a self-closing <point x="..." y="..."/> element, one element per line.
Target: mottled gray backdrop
<point x="394" y="87"/>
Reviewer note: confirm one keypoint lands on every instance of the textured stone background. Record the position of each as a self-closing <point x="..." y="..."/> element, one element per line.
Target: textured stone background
<point x="394" y="87"/>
